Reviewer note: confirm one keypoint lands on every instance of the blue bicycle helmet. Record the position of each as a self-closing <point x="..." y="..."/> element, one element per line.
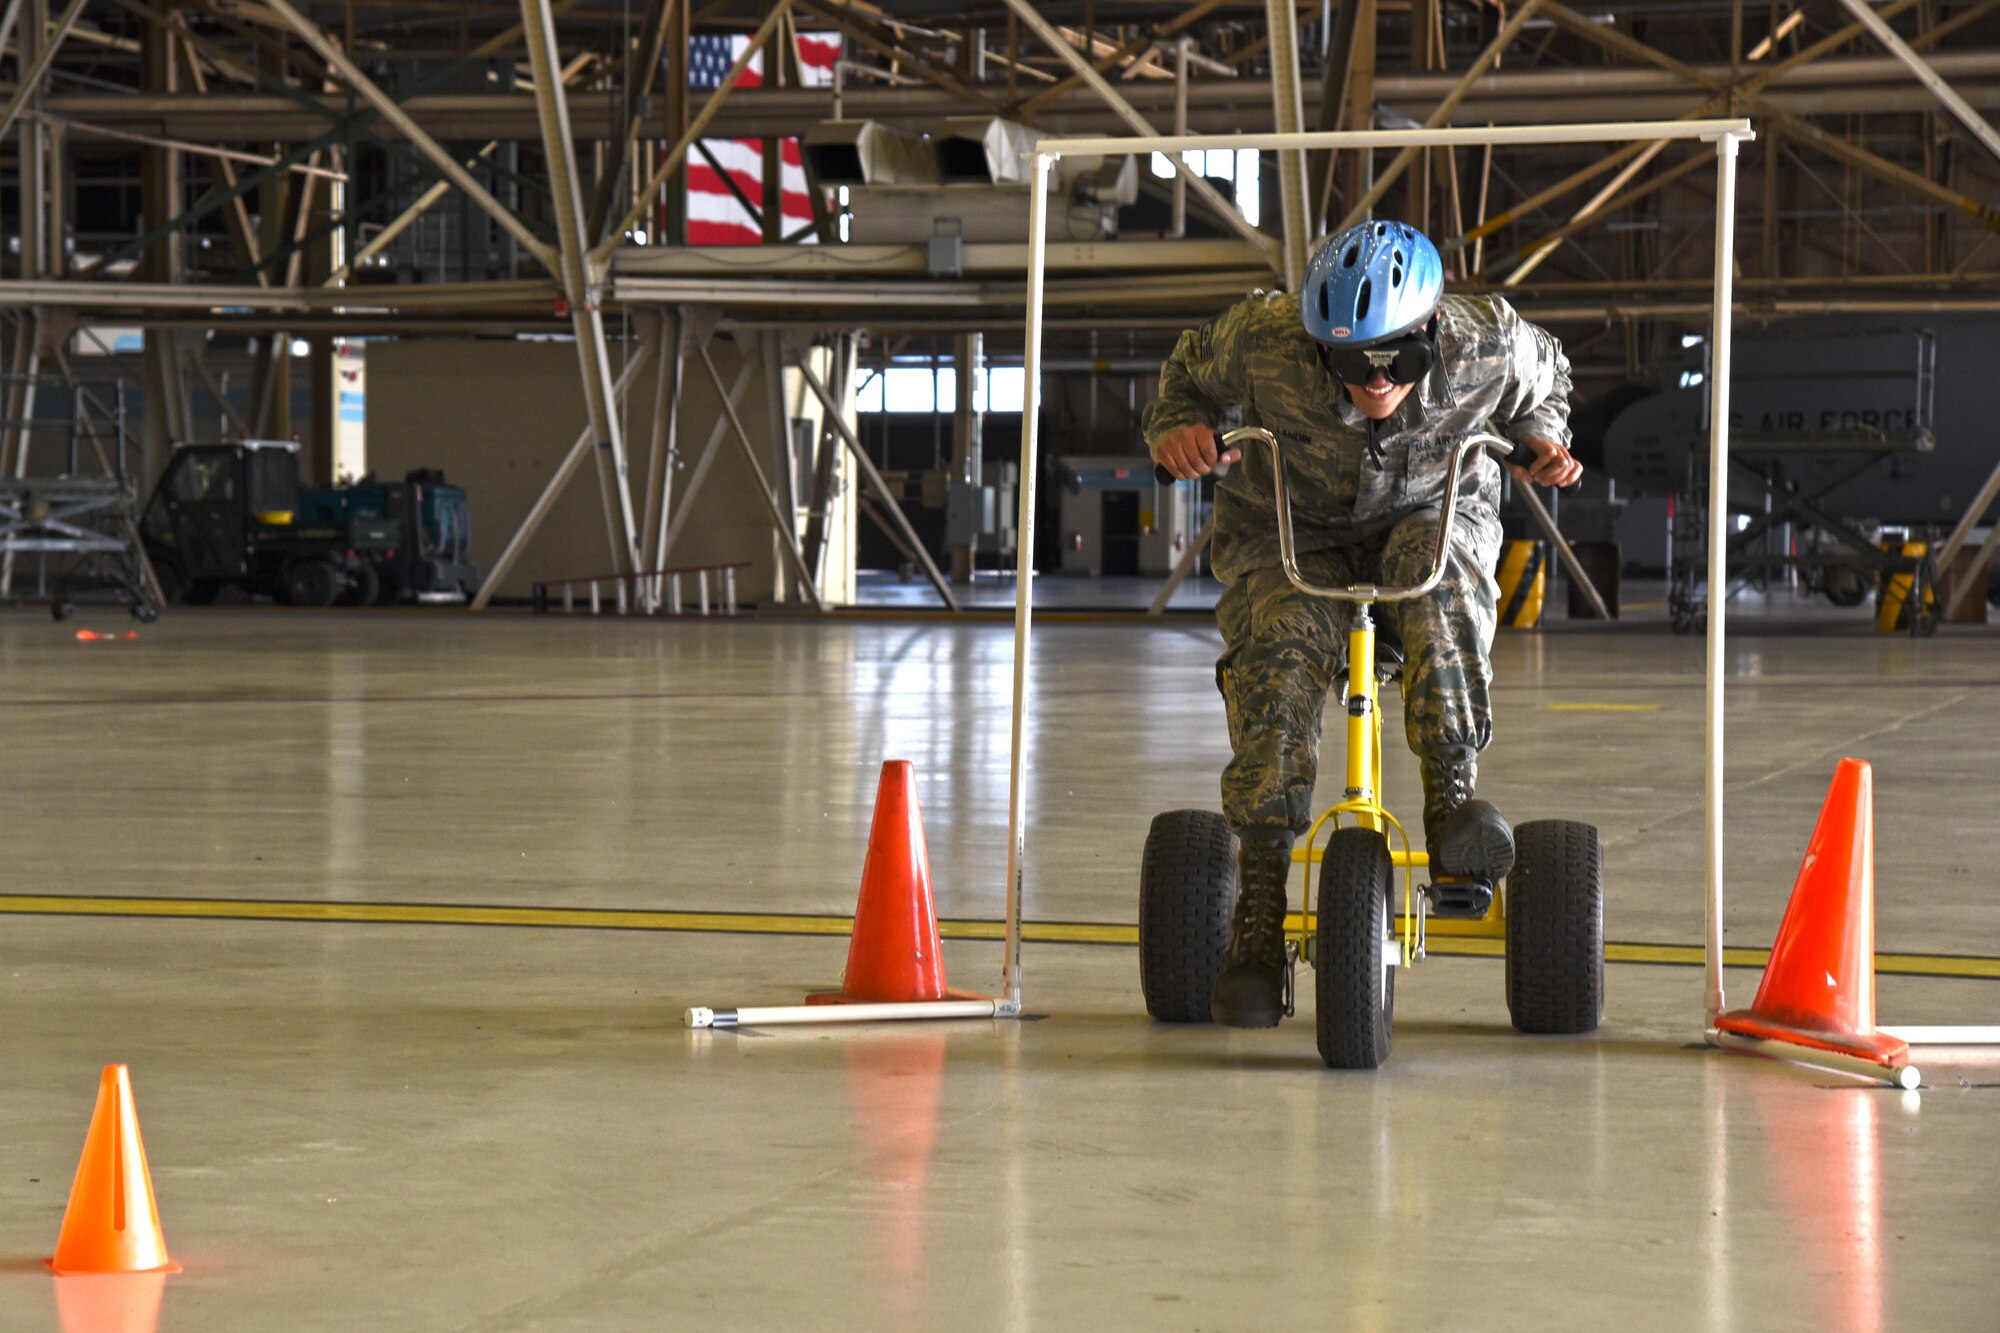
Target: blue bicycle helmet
<point x="1374" y="281"/>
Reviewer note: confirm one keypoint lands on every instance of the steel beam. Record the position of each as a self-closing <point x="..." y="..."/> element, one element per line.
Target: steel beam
<point x="1401" y="162"/>
<point x="861" y="27"/>
<point x="662" y="17"/>
<point x="675" y="518"/>
<point x="585" y="442"/>
<point x="593" y="360"/>
<point x="663" y="434"/>
<point x="781" y="523"/>
<point x="1340" y="48"/>
<point x="1607" y="200"/>
<point x="1181" y="22"/>
<point x="1183" y="567"/>
<point x="829" y="445"/>
<point x="897" y="518"/>
<point x="386" y="107"/>
<point x="31" y="77"/>
<point x="671" y="163"/>
<point x="1112" y="98"/>
<point x="1958" y="106"/>
<point x="1288" y="117"/>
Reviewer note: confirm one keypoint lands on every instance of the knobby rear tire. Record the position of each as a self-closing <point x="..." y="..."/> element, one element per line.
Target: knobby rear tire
<point x="1187" y="892"/>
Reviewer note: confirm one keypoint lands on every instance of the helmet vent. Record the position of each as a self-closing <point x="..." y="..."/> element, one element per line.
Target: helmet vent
<point x="1325" y="304"/>
<point x="1353" y="253"/>
<point x="1362" y="300"/>
<point x="1396" y="269"/>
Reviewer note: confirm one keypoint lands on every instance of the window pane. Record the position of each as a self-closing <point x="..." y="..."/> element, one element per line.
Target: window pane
<point x="1006" y="387"/>
<point x="869" y="397"/>
<point x="1248" y="169"/>
<point x="909" y="389"/>
<point x="1161" y="166"/>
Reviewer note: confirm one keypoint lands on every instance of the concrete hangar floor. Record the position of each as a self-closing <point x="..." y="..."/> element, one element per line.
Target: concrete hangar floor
<point x="365" y="1110"/>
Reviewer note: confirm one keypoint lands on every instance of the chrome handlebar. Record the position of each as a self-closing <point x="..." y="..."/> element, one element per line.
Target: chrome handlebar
<point x="1368" y="592"/>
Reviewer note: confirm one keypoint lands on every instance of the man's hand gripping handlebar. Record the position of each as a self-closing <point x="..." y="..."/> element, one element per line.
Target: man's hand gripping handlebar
<point x="1236" y="440"/>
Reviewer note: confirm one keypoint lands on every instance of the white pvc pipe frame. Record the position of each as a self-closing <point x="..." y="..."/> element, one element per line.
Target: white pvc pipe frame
<point x="1725" y="134"/>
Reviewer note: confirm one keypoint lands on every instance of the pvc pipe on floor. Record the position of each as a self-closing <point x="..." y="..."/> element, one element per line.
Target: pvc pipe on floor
<point x="1947" y="1035"/>
<point x="781" y="1015"/>
<point x="1906" y="1077"/>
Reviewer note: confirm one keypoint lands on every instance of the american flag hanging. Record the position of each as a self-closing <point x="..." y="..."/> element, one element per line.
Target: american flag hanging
<point x="715" y="216"/>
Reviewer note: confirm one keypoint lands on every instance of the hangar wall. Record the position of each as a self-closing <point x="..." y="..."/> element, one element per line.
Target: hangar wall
<point x="498" y="416"/>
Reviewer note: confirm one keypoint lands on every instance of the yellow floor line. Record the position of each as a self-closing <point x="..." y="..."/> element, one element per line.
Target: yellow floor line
<point x="1441" y="942"/>
<point x="1603" y="708"/>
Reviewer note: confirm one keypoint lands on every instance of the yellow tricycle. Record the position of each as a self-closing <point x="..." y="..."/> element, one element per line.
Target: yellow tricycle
<point x="1548" y="914"/>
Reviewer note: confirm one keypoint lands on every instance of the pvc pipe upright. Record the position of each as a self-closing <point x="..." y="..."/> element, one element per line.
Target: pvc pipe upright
<point x="1718" y="538"/>
<point x="1024" y="570"/>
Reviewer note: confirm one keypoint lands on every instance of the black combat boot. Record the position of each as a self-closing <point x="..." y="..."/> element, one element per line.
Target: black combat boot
<point x="1467" y="838"/>
<point x="1250" y="991"/>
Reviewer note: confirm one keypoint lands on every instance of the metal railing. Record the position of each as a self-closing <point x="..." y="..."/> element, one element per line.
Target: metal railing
<point x="655" y="592"/>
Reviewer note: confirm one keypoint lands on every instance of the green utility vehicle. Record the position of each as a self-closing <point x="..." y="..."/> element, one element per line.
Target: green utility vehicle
<point x="434" y="561"/>
<point x="227" y="515"/>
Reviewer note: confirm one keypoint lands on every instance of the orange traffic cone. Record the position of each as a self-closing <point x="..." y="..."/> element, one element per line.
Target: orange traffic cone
<point x="895" y="956"/>
<point x="112" y="1224"/>
<point x="1819" y="987"/>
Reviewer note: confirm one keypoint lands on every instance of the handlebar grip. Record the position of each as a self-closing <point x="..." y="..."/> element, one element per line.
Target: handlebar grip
<point x="1166" y="478"/>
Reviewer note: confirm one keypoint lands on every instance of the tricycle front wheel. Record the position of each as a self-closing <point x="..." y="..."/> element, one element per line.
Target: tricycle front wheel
<point x="1354" y="981"/>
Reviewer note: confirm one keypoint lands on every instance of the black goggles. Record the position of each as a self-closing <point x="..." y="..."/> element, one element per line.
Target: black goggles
<point x="1404" y="360"/>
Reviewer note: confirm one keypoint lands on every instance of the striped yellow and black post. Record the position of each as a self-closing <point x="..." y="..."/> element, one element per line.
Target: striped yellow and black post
<point x="1524" y="578"/>
<point x="1892" y="603"/>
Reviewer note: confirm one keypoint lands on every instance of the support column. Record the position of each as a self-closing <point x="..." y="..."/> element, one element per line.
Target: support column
<point x="552" y="109"/>
<point x="967" y="465"/>
<point x="161" y="197"/>
<point x="1288" y="117"/>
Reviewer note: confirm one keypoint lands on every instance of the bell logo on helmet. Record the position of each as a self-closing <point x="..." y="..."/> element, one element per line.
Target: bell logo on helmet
<point x="1343" y="332"/>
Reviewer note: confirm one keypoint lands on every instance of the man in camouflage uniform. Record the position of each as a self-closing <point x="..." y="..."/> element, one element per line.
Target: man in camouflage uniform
<point x="1366" y="462"/>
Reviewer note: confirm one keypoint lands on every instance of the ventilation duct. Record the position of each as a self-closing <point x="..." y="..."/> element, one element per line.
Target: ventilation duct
<point x="867" y="152"/>
<point x="981" y="150"/>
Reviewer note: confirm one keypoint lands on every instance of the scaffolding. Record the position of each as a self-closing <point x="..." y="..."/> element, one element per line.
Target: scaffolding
<point x="69" y="498"/>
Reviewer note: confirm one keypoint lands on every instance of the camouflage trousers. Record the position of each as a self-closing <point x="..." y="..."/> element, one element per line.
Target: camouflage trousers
<point x="1284" y="649"/>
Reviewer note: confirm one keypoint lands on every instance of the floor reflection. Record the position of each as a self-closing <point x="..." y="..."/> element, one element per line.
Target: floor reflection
<point x="1824" y="1152"/>
<point x="895" y="1082"/>
<point x="110" y="1302"/>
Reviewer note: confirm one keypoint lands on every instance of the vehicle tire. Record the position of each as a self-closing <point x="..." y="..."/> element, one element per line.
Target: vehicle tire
<point x="173" y="583"/>
<point x="61" y="609"/>
<point x="1926" y="604"/>
<point x="388" y="587"/>
<point x="1354" y="986"/>
<point x="1187" y="891"/>
<point x="362" y="586"/>
<point x="144" y="611"/>
<point x="1845" y="586"/>
<point x="311" y="583"/>
<point x="201" y="592"/>
<point x="1555" y="927"/>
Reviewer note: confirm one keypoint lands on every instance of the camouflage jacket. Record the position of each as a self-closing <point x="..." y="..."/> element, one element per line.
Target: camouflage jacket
<point x="1495" y="371"/>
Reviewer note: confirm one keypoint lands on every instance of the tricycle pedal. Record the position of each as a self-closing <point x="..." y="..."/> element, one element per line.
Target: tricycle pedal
<point x="1460" y="899"/>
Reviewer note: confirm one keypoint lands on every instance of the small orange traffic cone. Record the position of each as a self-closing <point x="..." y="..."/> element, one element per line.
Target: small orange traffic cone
<point x="1819" y="987"/>
<point x="895" y="955"/>
<point x="112" y="1224"/>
